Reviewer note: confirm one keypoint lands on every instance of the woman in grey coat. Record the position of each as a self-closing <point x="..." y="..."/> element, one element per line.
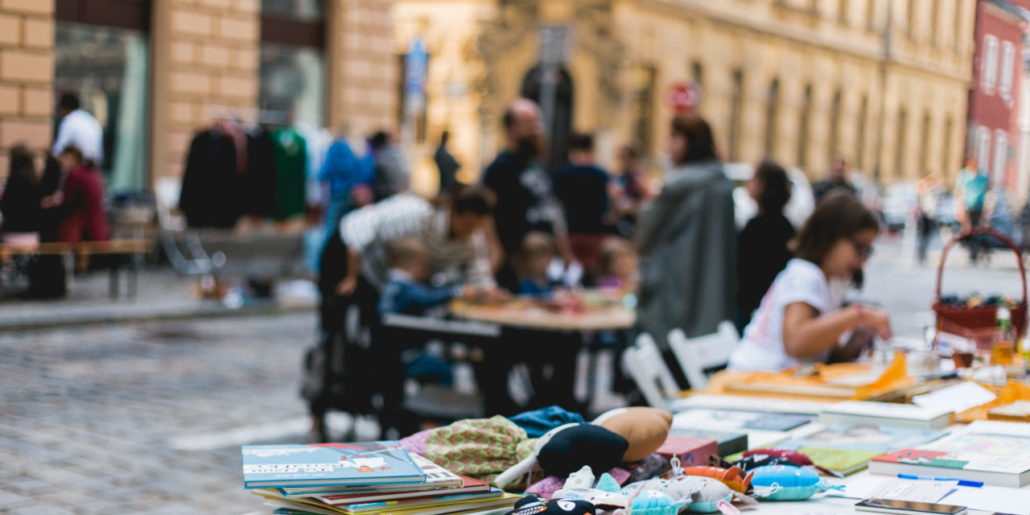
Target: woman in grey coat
<point x="688" y="241"/>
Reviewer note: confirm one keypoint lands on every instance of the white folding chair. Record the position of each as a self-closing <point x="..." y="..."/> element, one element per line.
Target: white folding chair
<point x="695" y="355"/>
<point x="644" y="363"/>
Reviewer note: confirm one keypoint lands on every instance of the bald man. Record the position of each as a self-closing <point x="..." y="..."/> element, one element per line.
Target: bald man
<point x="525" y="200"/>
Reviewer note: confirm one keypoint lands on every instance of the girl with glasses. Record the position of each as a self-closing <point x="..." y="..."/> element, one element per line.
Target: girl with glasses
<point x="802" y="318"/>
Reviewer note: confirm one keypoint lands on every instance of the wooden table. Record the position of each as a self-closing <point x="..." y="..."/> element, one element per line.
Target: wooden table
<point x="539" y="334"/>
<point x="526" y="314"/>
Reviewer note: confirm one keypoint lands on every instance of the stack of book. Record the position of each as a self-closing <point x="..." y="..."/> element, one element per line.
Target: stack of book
<point x="995" y="453"/>
<point x="366" y="478"/>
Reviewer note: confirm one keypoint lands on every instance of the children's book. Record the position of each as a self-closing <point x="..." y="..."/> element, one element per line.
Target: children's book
<point x="468" y="486"/>
<point x="996" y="453"/>
<point x="862" y="437"/>
<point x="319" y="465"/>
<point x="841" y="461"/>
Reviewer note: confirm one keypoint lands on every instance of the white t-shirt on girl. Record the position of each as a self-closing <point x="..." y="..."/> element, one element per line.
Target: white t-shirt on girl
<point x="762" y="346"/>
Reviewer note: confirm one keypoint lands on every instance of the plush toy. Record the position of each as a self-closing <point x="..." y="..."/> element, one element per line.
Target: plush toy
<point x="786" y="483"/>
<point x="732" y="477"/>
<point x="646" y="429"/>
<point x="582" y="478"/>
<point x="607" y="483"/>
<point x="568" y="448"/>
<point x="768" y="457"/>
<point x="749" y="463"/>
<point x="532" y="505"/>
<point x="793" y="456"/>
<point x="696" y="494"/>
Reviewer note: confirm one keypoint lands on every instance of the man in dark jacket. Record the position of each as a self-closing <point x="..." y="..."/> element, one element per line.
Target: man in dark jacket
<point x="525" y="201"/>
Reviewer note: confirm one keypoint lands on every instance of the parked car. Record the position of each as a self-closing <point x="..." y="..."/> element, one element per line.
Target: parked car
<point x="868" y="191"/>
<point x="900" y="204"/>
<point x="802" y="200"/>
<point x="1001" y="220"/>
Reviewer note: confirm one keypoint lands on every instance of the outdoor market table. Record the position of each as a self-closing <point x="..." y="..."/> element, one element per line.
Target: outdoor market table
<point x="539" y="333"/>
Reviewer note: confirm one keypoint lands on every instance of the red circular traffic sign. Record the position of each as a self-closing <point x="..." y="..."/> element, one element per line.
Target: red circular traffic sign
<point x="683" y="96"/>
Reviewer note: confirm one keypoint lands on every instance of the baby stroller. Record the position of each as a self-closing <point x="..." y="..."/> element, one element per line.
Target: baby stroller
<point x="351" y="368"/>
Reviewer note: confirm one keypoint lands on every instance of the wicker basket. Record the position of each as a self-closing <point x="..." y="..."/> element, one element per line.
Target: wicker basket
<point x="977" y="323"/>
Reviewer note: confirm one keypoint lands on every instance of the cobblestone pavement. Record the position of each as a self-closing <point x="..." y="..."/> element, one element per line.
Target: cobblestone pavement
<point x="90" y="419"/>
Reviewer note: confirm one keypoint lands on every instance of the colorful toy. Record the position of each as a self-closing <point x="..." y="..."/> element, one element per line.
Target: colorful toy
<point x="732" y="477"/>
<point x="786" y="483"/>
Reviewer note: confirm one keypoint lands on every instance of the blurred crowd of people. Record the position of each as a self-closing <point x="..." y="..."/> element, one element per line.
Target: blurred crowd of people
<point x="60" y="201"/>
<point x="527" y="230"/>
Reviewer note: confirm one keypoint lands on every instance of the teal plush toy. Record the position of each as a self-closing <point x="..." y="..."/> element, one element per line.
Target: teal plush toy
<point x="786" y="483"/>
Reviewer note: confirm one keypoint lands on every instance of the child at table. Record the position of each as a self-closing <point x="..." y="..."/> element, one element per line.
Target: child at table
<point x="534" y="263"/>
<point x="801" y="318"/>
<point x="617" y="266"/>
<point x="406" y="294"/>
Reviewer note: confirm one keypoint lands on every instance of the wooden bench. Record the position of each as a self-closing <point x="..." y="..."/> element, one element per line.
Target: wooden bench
<point x="134" y="249"/>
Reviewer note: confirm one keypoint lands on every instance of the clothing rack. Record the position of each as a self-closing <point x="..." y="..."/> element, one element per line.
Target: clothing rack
<point x="250" y="116"/>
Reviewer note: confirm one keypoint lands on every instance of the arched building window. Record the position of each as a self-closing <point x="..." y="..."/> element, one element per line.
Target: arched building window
<point x="736" y="99"/>
<point x="863" y="115"/>
<point x="834" y="146"/>
<point x="772" y="114"/>
<point x="804" y="131"/>
<point x="900" y="142"/>
<point x="292" y="85"/>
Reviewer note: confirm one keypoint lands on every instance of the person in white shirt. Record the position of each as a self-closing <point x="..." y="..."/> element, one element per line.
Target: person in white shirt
<point x="80" y="129"/>
<point x="801" y="318"/>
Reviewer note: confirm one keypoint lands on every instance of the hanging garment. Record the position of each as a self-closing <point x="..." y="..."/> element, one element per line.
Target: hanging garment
<point x="210" y="195"/>
<point x="259" y="180"/>
<point x="291" y="160"/>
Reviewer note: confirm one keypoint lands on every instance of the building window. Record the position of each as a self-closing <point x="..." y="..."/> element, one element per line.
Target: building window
<point x="292" y="88"/>
<point x="957" y="7"/>
<point x="101" y="54"/>
<point x="772" y="115"/>
<point x="645" y="82"/>
<point x="1001" y="155"/>
<point x="736" y="99"/>
<point x="911" y="17"/>
<point x="804" y="133"/>
<point x="900" y="139"/>
<point x="989" y="64"/>
<point x="870" y="14"/>
<point x="834" y="147"/>
<point x="863" y="114"/>
<point x="946" y="153"/>
<point x="935" y="20"/>
<point x="983" y="148"/>
<point x="1008" y="57"/>
<point x="924" y="144"/>
<point x="842" y="10"/>
<point x="697" y="72"/>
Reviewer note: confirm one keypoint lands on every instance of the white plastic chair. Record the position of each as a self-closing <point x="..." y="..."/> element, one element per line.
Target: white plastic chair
<point x="644" y="363"/>
<point x="704" y="352"/>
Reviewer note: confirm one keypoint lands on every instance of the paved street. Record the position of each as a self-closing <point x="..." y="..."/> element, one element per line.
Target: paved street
<point x="104" y="417"/>
<point x="148" y="418"/>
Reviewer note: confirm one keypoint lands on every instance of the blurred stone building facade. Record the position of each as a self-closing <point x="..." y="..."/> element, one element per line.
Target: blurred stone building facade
<point x="883" y="82"/>
<point x="155" y="71"/>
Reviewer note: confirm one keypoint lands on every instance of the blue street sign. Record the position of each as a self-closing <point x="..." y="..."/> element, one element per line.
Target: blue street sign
<point x="415" y="68"/>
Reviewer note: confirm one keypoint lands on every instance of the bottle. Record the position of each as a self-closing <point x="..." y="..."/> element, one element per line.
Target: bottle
<point x="1004" y="341"/>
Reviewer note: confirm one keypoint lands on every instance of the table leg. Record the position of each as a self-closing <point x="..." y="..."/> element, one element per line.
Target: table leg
<point x="133" y="274"/>
<point x="492" y="377"/>
<point x="113" y="283"/>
